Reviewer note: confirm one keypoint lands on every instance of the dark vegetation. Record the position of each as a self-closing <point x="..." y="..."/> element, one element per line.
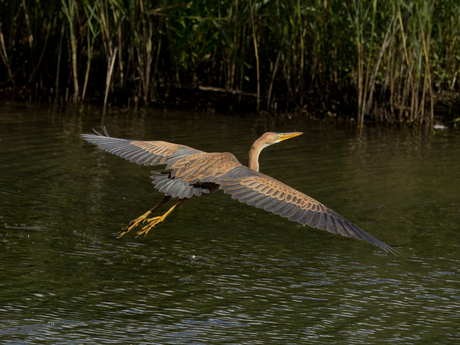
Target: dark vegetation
<point x="391" y="61"/>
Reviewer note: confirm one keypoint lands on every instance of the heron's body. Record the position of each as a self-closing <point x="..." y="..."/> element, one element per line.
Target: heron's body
<point x="194" y="172"/>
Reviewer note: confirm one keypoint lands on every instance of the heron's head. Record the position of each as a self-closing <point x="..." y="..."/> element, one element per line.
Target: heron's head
<point x="271" y="138"/>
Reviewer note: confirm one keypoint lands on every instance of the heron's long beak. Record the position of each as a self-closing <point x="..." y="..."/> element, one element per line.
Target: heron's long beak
<point x="285" y="136"/>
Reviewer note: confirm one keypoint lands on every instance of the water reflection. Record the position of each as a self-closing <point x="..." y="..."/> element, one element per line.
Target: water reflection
<point x="217" y="270"/>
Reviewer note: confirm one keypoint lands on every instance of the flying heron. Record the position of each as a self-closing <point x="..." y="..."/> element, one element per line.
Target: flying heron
<point x="193" y="172"/>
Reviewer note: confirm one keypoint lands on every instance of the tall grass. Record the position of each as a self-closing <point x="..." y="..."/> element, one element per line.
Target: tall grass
<point x="391" y="61"/>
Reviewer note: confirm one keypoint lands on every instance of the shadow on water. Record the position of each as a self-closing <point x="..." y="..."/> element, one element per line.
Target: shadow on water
<point x="218" y="271"/>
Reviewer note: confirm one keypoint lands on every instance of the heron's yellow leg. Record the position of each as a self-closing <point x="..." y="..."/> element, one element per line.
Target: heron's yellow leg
<point x="155" y="220"/>
<point x="135" y="222"/>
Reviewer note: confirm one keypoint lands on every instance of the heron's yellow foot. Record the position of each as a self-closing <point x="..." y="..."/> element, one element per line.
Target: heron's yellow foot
<point x="152" y="222"/>
<point x="132" y="224"/>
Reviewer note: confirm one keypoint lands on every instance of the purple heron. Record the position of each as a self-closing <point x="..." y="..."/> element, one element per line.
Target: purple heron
<point x="193" y="172"/>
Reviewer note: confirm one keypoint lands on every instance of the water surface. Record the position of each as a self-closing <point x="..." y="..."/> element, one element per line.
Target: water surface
<point x="218" y="271"/>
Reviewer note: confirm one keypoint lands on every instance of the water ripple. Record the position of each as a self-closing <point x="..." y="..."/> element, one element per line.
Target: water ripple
<point x="218" y="271"/>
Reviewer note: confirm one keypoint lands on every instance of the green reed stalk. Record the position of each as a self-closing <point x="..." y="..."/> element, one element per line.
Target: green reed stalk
<point x="69" y="10"/>
<point x="256" y="53"/>
<point x="92" y="34"/>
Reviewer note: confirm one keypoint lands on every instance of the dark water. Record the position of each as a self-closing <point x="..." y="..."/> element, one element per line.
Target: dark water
<point x="218" y="271"/>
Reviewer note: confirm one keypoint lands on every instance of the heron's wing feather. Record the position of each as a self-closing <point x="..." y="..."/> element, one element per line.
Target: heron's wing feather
<point x="262" y="191"/>
<point x="203" y="167"/>
<point x="141" y="152"/>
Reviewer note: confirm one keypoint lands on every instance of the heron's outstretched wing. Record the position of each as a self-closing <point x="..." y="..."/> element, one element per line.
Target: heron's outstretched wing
<point x="140" y="152"/>
<point x="262" y="191"/>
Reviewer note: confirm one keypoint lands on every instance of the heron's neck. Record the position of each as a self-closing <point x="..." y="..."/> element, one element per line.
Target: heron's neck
<point x="253" y="156"/>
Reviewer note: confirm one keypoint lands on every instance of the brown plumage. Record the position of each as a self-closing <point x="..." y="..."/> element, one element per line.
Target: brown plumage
<point x="194" y="172"/>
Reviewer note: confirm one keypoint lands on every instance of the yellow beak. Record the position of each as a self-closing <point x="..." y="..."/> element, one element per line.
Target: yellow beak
<point x="285" y="136"/>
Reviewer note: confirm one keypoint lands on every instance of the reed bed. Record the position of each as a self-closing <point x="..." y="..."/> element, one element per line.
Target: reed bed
<point x="389" y="61"/>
